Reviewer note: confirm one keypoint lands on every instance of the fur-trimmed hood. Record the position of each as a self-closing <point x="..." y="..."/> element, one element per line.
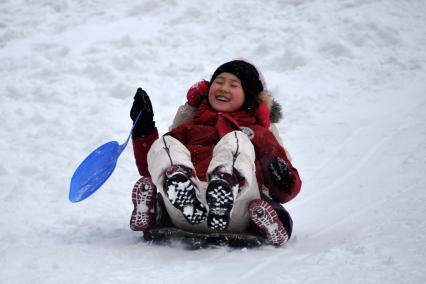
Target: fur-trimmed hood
<point x="274" y="107"/>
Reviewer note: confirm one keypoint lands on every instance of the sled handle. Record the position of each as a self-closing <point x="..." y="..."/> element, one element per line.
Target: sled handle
<point x="123" y="146"/>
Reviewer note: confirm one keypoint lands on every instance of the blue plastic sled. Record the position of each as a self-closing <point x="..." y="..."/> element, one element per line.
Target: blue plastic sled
<point x="93" y="172"/>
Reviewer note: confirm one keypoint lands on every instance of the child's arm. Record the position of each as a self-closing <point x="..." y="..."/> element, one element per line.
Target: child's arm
<point x="141" y="146"/>
<point x="144" y="131"/>
<point x="279" y="175"/>
<point x="273" y="128"/>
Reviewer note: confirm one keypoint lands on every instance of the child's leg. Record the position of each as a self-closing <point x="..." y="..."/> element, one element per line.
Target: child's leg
<point x="171" y="169"/>
<point x="234" y="151"/>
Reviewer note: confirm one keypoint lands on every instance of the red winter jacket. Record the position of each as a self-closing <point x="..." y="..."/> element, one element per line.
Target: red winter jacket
<point x="201" y="134"/>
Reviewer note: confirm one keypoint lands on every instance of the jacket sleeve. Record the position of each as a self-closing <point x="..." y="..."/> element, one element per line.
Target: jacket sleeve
<point x="141" y="146"/>
<point x="273" y="128"/>
<point x="267" y="147"/>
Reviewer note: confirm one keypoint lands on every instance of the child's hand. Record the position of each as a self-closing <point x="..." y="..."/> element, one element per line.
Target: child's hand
<point x="141" y="103"/>
<point x="280" y="174"/>
<point x="197" y="93"/>
<point x="146" y="124"/>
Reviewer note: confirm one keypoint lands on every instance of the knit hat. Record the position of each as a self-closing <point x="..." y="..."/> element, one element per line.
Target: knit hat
<point x="249" y="77"/>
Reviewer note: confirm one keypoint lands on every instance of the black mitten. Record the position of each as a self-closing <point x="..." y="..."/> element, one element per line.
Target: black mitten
<point x="145" y="125"/>
<point x="280" y="173"/>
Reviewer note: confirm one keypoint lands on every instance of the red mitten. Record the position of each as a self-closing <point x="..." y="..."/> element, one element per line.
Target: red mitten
<point x="197" y="92"/>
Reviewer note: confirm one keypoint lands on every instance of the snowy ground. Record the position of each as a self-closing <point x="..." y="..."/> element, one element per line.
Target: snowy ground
<point x="350" y="74"/>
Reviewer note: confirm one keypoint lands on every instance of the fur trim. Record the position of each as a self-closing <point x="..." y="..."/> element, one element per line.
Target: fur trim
<point x="273" y="106"/>
<point x="276" y="112"/>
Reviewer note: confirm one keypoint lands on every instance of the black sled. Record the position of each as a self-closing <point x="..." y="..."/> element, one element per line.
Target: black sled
<point x="191" y="240"/>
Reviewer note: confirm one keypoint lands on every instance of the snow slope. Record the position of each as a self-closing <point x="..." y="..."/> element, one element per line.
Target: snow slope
<point x="350" y="74"/>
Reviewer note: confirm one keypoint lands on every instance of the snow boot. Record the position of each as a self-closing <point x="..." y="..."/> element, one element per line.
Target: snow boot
<point x="221" y="192"/>
<point x="183" y="193"/>
<point x="266" y="219"/>
<point x="143" y="198"/>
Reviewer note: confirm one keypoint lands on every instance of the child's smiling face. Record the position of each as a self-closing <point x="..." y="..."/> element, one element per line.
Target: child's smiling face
<point x="226" y="93"/>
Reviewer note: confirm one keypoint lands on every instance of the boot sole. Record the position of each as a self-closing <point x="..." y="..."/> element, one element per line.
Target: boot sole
<point x="143" y="198"/>
<point x="264" y="216"/>
<point x="220" y="201"/>
<point x="182" y="193"/>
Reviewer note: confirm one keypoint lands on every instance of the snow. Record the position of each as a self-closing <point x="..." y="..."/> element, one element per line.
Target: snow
<point x="350" y="75"/>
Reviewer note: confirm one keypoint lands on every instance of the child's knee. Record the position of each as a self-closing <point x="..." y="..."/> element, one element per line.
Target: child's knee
<point x="236" y="142"/>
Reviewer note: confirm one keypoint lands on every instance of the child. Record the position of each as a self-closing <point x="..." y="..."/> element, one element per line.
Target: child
<point x="223" y="169"/>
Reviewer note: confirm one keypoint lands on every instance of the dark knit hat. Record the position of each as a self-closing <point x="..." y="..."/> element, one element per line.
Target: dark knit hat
<point x="249" y="77"/>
